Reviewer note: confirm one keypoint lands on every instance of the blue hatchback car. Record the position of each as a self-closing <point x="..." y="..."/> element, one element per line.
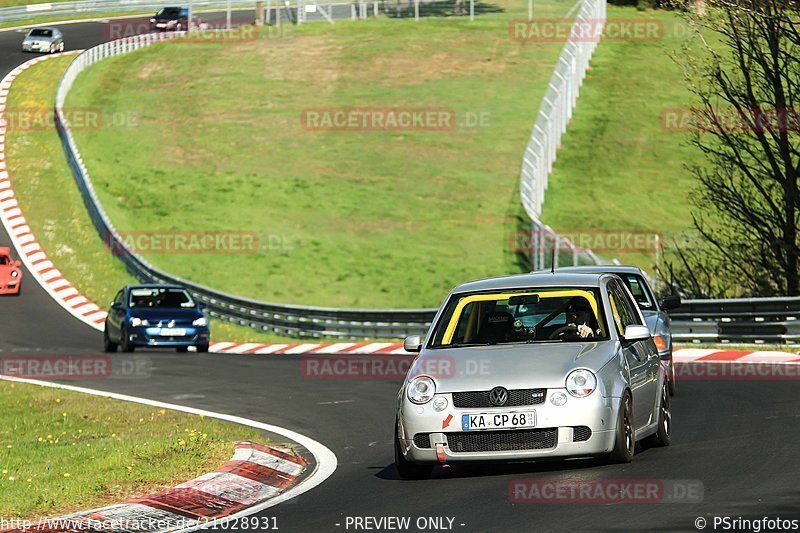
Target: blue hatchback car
<point x="155" y="316"/>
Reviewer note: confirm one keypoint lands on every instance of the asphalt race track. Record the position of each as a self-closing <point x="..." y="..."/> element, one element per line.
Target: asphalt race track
<point x="738" y="438"/>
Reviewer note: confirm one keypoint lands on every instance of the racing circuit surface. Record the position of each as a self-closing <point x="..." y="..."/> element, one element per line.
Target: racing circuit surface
<point x="738" y="438"/>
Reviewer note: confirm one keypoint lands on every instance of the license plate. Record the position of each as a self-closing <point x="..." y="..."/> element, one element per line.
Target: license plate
<point x="477" y="421"/>
<point x="173" y="332"/>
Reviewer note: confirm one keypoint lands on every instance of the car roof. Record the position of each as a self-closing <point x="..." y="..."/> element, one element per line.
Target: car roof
<point x="603" y="269"/>
<point x="154" y="286"/>
<point x="44" y="28"/>
<point x="534" y="279"/>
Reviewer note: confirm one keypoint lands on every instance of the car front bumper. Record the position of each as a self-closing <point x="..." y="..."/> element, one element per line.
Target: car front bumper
<point x="560" y="431"/>
<point x="36" y="47"/>
<point x="151" y="336"/>
<point x="11" y="287"/>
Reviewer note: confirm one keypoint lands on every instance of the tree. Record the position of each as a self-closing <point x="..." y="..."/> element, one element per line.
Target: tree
<point x="747" y="204"/>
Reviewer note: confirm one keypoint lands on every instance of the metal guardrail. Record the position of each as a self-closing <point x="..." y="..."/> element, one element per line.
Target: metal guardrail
<point x="555" y="113"/>
<point x="285" y="320"/>
<point x="746" y="320"/>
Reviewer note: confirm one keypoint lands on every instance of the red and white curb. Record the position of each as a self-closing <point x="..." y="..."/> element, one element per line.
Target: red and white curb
<point x="701" y="355"/>
<point x="680" y="355"/>
<point x="23" y="239"/>
<point x="255" y="473"/>
<point x="354" y="348"/>
<point x="257" y="477"/>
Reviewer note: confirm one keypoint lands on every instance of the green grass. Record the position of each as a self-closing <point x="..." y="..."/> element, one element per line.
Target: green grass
<point x="63" y="451"/>
<point x="54" y="209"/>
<point x="618" y="168"/>
<point x="363" y="219"/>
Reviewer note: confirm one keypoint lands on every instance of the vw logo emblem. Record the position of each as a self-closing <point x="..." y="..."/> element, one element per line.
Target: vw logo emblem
<point x="498" y="396"/>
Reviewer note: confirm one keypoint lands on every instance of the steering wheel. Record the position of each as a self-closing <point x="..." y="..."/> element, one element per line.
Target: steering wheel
<point x="563" y="330"/>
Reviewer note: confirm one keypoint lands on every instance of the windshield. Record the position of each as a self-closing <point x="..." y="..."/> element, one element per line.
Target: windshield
<point x="565" y="314"/>
<point x="41" y="33"/>
<point x="159" y="297"/>
<point x="169" y="12"/>
<point x="638" y="288"/>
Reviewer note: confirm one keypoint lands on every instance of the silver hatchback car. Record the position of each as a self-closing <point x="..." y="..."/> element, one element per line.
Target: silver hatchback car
<point x="532" y="366"/>
<point x="45" y="40"/>
<point x="654" y="311"/>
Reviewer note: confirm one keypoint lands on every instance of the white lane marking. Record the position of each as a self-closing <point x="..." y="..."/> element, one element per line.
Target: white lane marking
<point x="325" y="460"/>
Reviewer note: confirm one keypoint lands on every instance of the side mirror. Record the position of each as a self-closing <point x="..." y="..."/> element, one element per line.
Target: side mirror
<point x="17" y="263"/>
<point x="635" y="332"/>
<point x="413" y="343"/>
<point x="116" y="305"/>
<point x="670" y="302"/>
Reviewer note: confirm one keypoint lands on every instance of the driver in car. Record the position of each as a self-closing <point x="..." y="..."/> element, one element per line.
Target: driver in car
<point x="579" y="315"/>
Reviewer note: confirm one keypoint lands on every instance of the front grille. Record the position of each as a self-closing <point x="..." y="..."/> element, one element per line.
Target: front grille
<point x="581" y="433"/>
<point x="502" y="441"/>
<point x="422" y="440"/>
<point x="516" y="398"/>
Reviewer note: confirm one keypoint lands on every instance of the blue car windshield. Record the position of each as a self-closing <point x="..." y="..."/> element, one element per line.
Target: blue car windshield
<point x="160" y="298"/>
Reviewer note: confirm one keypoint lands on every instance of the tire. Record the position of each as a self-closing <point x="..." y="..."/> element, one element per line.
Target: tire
<point x="406" y="469"/>
<point x="125" y="344"/>
<point x="202" y="348"/>
<point x="662" y="437"/>
<point x="108" y="346"/>
<point x="182" y="349"/>
<point x="625" y="441"/>
<point x="671" y="377"/>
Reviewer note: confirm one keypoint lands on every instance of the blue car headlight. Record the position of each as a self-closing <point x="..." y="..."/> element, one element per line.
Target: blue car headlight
<point x="200" y="322"/>
<point x="136" y="322"/>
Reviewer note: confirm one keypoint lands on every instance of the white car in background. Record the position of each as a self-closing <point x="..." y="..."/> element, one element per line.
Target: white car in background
<point x="44" y="40"/>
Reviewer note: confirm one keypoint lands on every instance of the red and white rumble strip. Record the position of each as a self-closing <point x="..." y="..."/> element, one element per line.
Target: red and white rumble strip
<point x="681" y="355"/>
<point x="23" y="239"/>
<point x="254" y="474"/>
<point x="699" y="355"/>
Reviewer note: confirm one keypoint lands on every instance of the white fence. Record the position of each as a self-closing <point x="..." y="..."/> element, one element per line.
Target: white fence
<point x="551" y="123"/>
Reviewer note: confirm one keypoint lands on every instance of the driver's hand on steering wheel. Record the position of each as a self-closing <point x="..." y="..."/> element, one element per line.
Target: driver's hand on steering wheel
<point x="584" y="331"/>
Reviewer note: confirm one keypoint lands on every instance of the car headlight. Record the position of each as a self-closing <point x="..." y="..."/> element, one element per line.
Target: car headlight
<point x="136" y="322"/>
<point x="581" y="383"/>
<point x="421" y="390"/>
<point x="14" y="273"/>
<point x="202" y="321"/>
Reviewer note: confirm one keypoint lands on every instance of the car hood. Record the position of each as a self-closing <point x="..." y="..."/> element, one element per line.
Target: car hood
<point x="513" y="366"/>
<point x="166" y="314"/>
